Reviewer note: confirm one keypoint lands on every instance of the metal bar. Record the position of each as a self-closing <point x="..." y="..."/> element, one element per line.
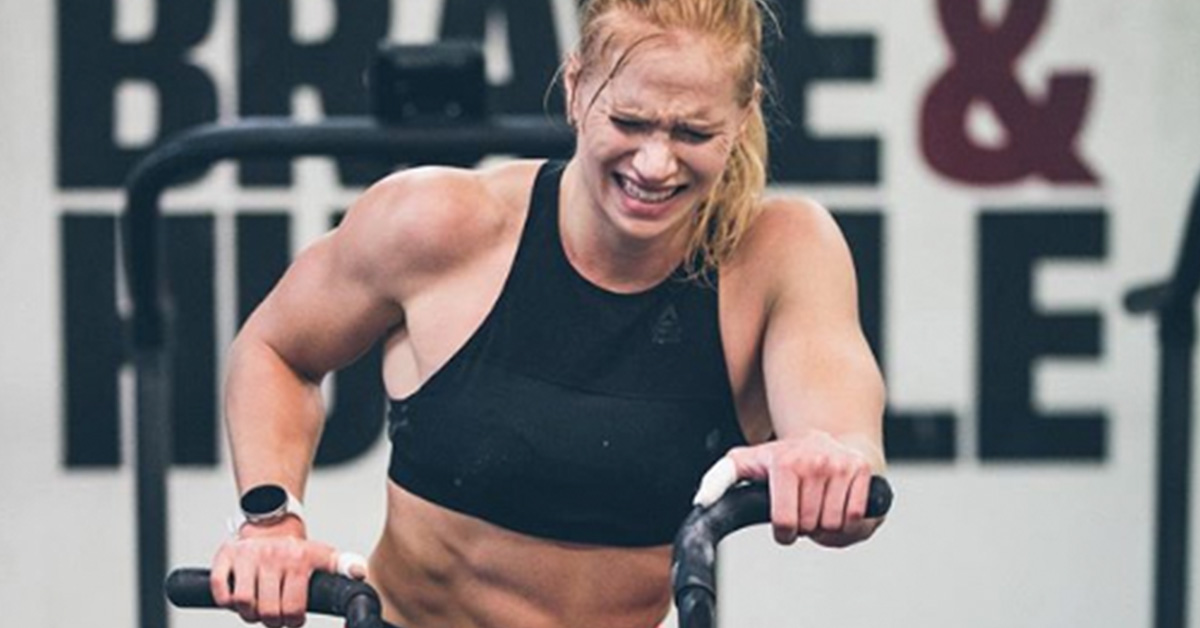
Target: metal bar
<point x="200" y="148"/>
<point x="1177" y="338"/>
<point x="1173" y="302"/>
<point x="1185" y="281"/>
<point x="153" y="438"/>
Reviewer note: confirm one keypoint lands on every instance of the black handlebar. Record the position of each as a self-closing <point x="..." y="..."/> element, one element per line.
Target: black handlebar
<point x="693" y="572"/>
<point x="328" y="594"/>
<point x="693" y="564"/>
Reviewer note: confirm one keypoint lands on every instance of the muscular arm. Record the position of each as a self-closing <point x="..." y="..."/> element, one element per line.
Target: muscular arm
<point x="825" y="395"/>
<point x="340" y="295"/>
<point x="324" y="312"/>
<point x="820" y="373"/>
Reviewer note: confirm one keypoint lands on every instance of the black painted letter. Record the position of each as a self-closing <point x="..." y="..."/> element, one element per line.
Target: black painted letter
<point x="271" y="65"/>
<point x="92" y="66"/>
<point x="1013" y="335"/>
<point x="800" y="60"/>
<point x="532" y="47"/>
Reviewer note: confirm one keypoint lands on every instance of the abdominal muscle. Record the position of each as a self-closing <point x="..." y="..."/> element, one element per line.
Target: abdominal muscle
<point x="436" y="568"/>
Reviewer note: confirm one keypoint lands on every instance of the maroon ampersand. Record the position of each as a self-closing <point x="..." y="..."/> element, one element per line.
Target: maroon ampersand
<point x="1040" y="132"/>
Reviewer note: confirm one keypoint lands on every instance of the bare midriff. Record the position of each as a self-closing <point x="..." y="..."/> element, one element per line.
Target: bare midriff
<point x="436" y="568"/>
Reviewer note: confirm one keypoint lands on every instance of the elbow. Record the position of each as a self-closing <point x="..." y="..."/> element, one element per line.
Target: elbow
<point x="253" y="358"/>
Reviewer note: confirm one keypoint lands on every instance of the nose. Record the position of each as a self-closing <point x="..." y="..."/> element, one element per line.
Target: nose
<point x="655" y="160"/>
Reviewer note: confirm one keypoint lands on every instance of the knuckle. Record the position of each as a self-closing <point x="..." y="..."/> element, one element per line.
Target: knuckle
<point x="292" y="553"/>
<point x="810" y="466"/>
<point x="841" y="468"/>
<point x="298" y="570"/>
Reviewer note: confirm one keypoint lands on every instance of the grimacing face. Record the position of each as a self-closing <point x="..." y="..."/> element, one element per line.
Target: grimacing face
<point x="655" y="139"/>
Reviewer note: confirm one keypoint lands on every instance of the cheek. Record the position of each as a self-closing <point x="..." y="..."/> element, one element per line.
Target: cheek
<point x="709" y="161"/>
<point x="601" y="143"/>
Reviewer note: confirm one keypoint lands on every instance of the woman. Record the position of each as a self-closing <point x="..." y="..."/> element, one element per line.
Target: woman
<point x="568" y="348"/>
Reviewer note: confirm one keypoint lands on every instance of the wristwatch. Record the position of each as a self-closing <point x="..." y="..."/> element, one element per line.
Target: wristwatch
<point x="266" y="504"/>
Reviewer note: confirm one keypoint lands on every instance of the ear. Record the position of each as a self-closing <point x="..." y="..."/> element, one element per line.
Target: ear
<point x="571" y="72"/>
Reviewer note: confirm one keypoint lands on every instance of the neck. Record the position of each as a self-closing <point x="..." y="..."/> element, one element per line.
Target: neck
<point x="602" y="253"/>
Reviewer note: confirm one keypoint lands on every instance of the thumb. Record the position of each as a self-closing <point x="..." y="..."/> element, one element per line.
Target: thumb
<point x="327" y="558"/>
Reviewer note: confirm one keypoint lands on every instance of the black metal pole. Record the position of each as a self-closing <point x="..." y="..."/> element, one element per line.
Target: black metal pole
<point x="277" y="138"/>
<point x="1177" y="337"/>
<point x="153" y="451"/>
<point x="1174" y="304"/>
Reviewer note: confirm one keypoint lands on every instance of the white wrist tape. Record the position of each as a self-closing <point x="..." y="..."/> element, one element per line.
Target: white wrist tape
<point x="715" y="482"/>
<point x="351" y="565"/>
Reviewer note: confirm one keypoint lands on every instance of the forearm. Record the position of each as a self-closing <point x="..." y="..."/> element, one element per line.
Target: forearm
<point x="836" y="389"/>
<point x="274" y="416"/>
<point x="857" y="419"/>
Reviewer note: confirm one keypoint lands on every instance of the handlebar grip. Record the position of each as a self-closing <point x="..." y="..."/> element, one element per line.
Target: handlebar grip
<point x="693" y="562"/>
<point x="879" y="497"/>
<point x="328" y="594"/>
<point x="190" y="588"/>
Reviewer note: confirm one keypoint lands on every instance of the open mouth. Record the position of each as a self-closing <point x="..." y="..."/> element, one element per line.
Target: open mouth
<point x="644" y="194"/>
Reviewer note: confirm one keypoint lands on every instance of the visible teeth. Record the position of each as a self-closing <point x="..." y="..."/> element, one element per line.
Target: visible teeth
<point x="642" y="194"/>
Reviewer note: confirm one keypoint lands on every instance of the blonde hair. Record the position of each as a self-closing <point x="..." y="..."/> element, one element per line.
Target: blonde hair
<point x="737" y="26"/>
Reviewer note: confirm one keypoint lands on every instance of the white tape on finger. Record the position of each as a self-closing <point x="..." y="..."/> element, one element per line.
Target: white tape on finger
<point x="352" y="565"/>
<point x="715" y="482"/>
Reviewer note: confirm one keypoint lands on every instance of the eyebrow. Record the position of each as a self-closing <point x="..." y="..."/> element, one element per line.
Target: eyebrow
<point x="697" y="121"/>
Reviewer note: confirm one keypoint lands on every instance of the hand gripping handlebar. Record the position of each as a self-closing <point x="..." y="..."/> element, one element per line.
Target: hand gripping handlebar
<point x="692" y="568"/>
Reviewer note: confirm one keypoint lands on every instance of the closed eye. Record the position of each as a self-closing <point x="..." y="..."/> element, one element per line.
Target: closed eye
<point x="630" y="125"/>
<point x="693" y="136"/>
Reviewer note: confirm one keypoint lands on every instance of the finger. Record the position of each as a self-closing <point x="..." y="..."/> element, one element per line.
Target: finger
<point x="718" y="479"/>
<point x="245" y="592"/>
<point x="833" y="510"/>
<point x="270" y="584"/>
<point x="785" y="492"/>
<point x="321" y="557"/>
<point x="812" y="498"/>
<point x="219" y="579"/>
<point x="856" y="503"/>
<point x="294" y="598"/>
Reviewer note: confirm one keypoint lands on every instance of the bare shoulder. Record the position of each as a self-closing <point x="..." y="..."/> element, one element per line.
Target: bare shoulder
<point x="793" y="234"/>
<point x="428" y="220"/>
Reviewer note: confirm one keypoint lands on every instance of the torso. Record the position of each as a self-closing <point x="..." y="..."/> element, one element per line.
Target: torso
<point x="437" y="567"/>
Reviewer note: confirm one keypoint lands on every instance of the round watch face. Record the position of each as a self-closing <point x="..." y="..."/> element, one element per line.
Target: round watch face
<point x="264" y="500"/>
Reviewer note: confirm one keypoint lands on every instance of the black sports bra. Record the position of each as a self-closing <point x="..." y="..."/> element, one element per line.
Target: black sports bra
<point x="573" y="413"/>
